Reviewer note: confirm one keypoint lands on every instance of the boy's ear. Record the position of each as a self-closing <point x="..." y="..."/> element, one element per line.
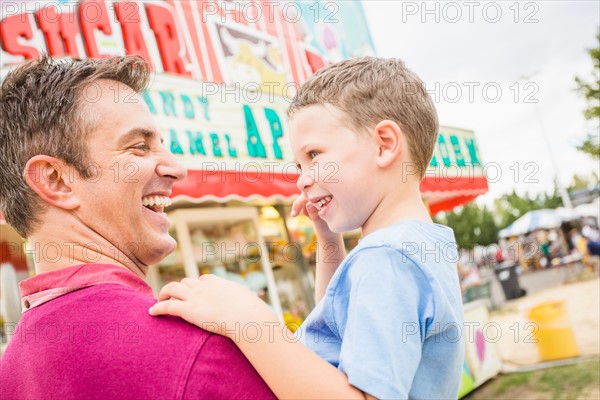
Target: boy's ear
<point x="52" y="180"/>
<point x="390" y="141"/>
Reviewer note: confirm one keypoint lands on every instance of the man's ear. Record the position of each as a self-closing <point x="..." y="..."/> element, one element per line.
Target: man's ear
<point x="52" y="180"/>
<point x="390" y="142"/>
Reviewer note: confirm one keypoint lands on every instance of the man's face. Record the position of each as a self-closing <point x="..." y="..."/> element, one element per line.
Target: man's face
<point x="132" y="176"/>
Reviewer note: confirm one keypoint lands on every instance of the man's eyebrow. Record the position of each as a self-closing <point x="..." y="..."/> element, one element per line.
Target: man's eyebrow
<point x="139" y="132"/>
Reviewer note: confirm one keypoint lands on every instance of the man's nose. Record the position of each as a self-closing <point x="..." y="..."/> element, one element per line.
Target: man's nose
<point x="169" y="166"/>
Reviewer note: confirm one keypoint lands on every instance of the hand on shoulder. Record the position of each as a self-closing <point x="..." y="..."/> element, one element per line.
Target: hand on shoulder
<point x="212" y="303"/>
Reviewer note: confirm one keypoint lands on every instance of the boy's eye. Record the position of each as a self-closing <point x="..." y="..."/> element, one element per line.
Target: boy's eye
<point x="312" y="154"/>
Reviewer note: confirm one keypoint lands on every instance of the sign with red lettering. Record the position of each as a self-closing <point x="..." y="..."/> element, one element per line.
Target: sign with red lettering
<point x="264" y="42"/>
<point x="224" y="69"/>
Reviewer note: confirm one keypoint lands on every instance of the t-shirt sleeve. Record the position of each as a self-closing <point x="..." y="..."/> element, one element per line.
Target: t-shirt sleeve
<point x="220" y="371"/>
<point x="384" y="306"/>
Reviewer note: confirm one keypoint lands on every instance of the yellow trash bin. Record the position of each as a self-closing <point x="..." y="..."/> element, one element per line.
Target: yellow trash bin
<point x="554" y="335"/>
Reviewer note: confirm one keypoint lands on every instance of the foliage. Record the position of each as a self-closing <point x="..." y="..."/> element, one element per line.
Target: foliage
<point x="591" y="91"/>
<point x="477" y="225"/>
<point x="591" y="145"/>
<point x="472" y="225"/>
<point x="580" y="182"/>
<point x="511" y="207"/>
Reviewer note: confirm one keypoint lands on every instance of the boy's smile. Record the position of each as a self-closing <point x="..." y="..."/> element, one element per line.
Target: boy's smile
<point x="338" y="168"/>
<point x="321" y="203"/>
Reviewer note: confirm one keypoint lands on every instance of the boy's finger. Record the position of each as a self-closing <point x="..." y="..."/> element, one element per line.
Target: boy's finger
<point x="169" y="307"/>
<point x="312" y="211"/>
<point x="298" y="205"/>
<point x="190" y="282"/>
<point x="174" y="290"/>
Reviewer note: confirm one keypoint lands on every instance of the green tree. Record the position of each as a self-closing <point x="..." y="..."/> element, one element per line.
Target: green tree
<point x="489" y="234"/>
<point x="477" y="225"/>
<point x="590" y="145"/>
<point x="591" y="91"/>
<point x="580" y="182"/>
<point x="472" y="225"/>
<point x="513" y="206"/>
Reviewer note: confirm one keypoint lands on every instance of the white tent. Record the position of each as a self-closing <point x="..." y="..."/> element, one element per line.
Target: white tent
<point x="589" y="210"/>
<point x="538" y="219"/>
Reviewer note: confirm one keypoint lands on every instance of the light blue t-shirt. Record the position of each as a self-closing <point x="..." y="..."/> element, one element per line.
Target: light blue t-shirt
<point x="392" y="316"/>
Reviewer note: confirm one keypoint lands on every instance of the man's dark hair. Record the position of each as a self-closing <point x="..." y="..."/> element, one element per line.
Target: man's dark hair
<point x="42" y="111"/>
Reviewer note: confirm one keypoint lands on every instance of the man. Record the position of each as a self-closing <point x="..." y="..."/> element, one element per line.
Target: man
<point x="85" y="178"/>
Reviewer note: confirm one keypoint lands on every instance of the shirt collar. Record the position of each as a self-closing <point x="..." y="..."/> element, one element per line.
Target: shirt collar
<point x="50" y="285"/>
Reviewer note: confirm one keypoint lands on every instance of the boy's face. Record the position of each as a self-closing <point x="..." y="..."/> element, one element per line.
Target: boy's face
<point x="338" y="166"/>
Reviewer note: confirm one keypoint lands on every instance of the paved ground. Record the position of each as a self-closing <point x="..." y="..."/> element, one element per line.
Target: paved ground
<point x="583" y="307"/>
<point x="532" y="282"/>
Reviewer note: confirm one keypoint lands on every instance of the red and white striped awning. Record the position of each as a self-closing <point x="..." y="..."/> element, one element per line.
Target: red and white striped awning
<point x="445" y="196"/>
<point x="440" y="195"/>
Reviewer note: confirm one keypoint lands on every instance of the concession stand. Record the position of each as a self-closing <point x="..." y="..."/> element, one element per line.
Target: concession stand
<point x="12" y="249"/>
<point x="224" y="73"/>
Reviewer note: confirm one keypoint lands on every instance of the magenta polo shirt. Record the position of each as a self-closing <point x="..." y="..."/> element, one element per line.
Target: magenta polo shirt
<point x="86" y="333"/>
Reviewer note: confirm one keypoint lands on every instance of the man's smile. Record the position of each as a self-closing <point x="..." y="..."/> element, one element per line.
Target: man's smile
<point x="156" y="203"/>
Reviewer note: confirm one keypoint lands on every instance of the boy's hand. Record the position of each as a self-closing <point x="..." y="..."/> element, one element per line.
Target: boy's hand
<point x="302" y="206"/>
<point x="330" y="245"/>
<point x="211" y="303"/>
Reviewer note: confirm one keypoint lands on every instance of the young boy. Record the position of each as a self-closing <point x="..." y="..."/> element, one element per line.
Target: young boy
<point x="389" y="315"/>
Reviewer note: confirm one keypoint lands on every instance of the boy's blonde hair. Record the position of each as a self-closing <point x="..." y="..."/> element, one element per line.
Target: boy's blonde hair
<point x="369" y="90"/>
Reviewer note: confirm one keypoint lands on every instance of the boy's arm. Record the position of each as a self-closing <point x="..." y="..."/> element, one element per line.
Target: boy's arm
<point x="291" y="370"/>
<point x="330" y="246"/>
<point x="288" y="367"/>
<point x="329" y="257"/>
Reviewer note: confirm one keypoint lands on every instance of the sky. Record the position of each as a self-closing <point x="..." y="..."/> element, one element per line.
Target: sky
<point x="506" y="71"/>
